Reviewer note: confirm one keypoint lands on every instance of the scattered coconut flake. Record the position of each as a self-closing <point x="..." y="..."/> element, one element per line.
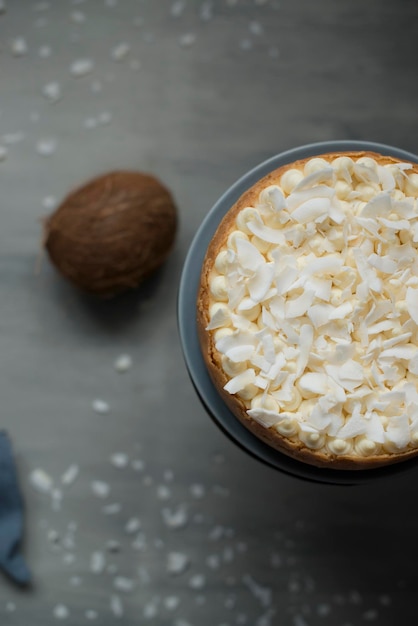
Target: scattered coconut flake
<point x="206" y="11"/>
<point x="138" y="465"/>
<point x="256" y="28"/>
<point x="187" y="40"/>
<point x="119" y="460"/>
<point x="76" y="581"/>
<point x="49" y="202"/>
<point x="197" y="490"/>
<point x="112" y="509"/>
<point x="78" y="17"/>
<point x="113" y="546"/>
<point x="175" y="518"/>
<point x="70" y="475"/>
<point x="116" y="606"/>
<point x="122" y="583"/>
<point x="171" y="602"/>
<point x="100" y="406"/>
<point x="177" y="8"/>
<point x="81" y="67"/>
<point x="10" y="139"/>
<point x="104" y="118"/>
<point x="163" y="492"/>
<point x="10" y="607"/>
<point x="370" y="615"/>
<point x="19" y="47"/>
<point x="177" y="563"/>
<point x="46" y="147"/>
<point x="100" y="488"/>
<point x="61" y="611"/>
<point x="120" y="52"/>
<point x="52" y="91"/>
<point x="245" y="44"/>
<point x="3" y="153"/>
<point x="96" y="86"/>
<point x="41" y="481"/>
<point x="132" y="525"/>
<point x="44" y="52"/>
<point x="150" y="610"/>
<point x="53" y="536"/>
<point x="135" y="65"/>
<point x="197" y="581"/>
<point x="123" y="363"/>
<point x="97" y="562"/>
<point x="91" y="615"/>
<point x="261" y="593"/>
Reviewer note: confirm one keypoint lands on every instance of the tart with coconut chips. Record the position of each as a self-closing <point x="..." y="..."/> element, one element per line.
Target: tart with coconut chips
<point x="308" y="310"/>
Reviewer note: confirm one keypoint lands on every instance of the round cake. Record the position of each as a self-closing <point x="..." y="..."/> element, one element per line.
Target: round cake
<point x="307" y="310"/>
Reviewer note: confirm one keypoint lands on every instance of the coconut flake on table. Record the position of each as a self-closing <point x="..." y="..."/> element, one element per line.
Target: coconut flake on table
<point x="91" y="614"/>
<point x="104" y="118"/>
<point x="132" y="525"/>
<point x="116" y="606"/>
<point x="122" y="583"/>
<point x="100" y="406"/>
<point x="119" y="460"/>
<point x="100" y="488"/>
<point x="120" y="51"/>
<point x="10" y="139"/>
<point x="97" y="562"/>
<point x="187" y="40"/>
<point x="78" y="17"/>
<point x="61" y="611"/>
<point x="70" y="475"/>
<point x="112" y="509"/>
<point x="177" y="8"/>
<point x="19" y="47"/>
<point x="177" y="563"/>
<point x="175" y="518"/>
<point x="49" y="202"/>
<point x="41" y="481"/>
<point x="46" y="147"/>
<point x="52" y="91"/>
<point x="81" y="67"/>
<point x="171" y="602"/>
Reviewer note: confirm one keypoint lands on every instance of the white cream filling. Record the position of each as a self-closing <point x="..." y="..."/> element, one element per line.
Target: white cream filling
<point x="314" y="306"/>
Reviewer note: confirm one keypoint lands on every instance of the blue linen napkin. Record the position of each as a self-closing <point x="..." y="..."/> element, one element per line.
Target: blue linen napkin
<point x="11" y="516"/>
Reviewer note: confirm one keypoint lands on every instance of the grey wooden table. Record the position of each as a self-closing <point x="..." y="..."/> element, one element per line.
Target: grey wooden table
<point x="196" y="92"/>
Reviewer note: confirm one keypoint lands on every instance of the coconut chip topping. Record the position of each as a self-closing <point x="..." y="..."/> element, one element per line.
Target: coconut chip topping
<point x="314" y="307"/>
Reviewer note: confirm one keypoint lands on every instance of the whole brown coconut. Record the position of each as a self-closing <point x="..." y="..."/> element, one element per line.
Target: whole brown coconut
<point x="113" y="232"/>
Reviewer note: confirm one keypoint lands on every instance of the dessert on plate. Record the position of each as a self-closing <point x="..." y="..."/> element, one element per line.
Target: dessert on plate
<point x="307" y="310"/>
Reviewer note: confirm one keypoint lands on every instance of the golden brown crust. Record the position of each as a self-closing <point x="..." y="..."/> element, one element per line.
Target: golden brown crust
<point x="291" y="447"/>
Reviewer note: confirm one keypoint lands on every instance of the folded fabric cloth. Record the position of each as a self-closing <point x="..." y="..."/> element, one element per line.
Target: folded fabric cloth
<point x="11" y="516"/>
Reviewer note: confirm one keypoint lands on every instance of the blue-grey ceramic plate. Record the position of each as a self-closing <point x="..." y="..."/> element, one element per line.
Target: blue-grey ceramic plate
<point x="189" y="284"/>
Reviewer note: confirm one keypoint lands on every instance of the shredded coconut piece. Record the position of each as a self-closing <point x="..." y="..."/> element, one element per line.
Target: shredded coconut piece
<point x="81" y="67"/>
<point x="70" y="475"/>
<point x="100" y="406"/>
<point x="177" y="563"/>
<point x="41" y="481"/>
<point x="100" y="488"/>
